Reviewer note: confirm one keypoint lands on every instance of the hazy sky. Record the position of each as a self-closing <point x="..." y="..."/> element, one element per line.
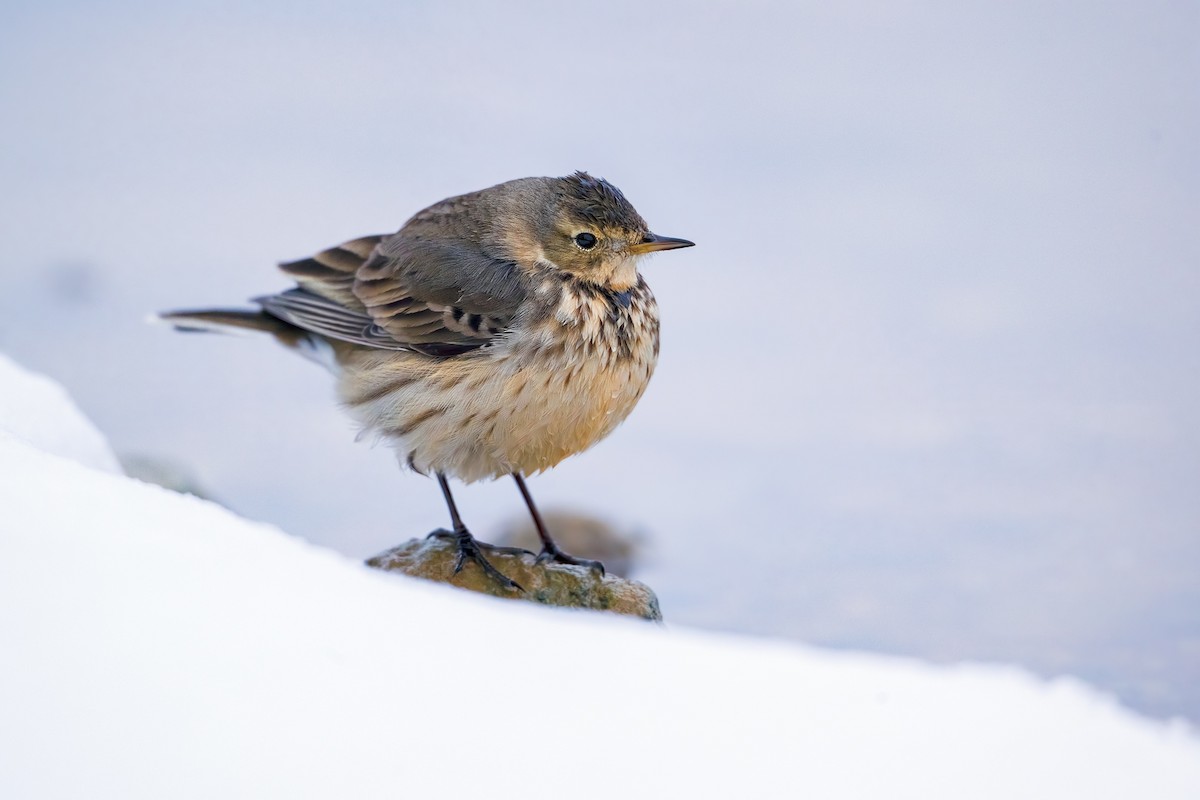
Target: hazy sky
<point x="930" y="380"/>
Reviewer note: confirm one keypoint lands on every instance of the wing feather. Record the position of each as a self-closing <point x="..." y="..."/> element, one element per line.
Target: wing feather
<point x="441" y="295"/>
<point x="318" y="314"/>
<point x="330" y="273"/>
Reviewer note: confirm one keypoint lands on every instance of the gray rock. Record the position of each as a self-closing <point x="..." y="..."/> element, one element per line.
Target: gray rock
<point x="551" y="584"/>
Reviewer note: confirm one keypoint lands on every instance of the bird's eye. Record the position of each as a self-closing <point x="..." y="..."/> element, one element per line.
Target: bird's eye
<point x="585" y="241"/>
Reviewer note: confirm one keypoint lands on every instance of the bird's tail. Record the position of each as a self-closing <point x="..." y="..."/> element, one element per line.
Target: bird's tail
<point x="312" y="346"/>
<point x="230" y="320"/>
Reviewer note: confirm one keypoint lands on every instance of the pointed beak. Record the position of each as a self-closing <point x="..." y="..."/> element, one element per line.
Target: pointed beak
<point x="652" y="242"/>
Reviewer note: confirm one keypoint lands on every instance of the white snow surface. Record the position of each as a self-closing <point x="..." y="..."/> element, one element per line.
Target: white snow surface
<point x="156" y="645"/>
<point x="43" y="414"/>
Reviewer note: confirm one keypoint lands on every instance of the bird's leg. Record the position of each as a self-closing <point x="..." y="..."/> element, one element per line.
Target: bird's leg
<point x="469" y="547"/>
<point x="550" y="550"/>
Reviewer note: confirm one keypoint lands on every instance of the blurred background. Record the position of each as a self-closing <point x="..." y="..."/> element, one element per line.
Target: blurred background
<point x="930" y="381"/>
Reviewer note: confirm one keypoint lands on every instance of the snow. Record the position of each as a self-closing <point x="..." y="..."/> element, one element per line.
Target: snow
<point x="156" y="645"/>
<point x="43" y="415"/>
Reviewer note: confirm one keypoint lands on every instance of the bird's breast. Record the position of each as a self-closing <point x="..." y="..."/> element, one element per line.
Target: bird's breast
<point x="580" y="371"/>
<point x="552" y="386"/>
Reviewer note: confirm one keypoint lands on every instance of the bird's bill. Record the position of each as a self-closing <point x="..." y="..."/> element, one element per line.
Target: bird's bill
<point x="652" y="242"/>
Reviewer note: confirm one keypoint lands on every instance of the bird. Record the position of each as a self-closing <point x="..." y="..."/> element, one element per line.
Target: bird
<point x="494" y="334"/>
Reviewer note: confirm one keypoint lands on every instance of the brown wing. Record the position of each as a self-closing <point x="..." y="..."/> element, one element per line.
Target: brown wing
<point x="437" y="296"/>
<point x="444" y="292"/>
<point x="330" y="273"/>
<point x="319" y="314"/>
<point x="324" y="301"/>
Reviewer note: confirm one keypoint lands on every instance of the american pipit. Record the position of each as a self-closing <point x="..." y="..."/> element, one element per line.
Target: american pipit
<point x="496" y="333"/>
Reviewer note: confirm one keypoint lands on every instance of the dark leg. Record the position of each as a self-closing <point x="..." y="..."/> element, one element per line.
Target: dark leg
<point x="468" y="547"/>
<point x="550" y="551"/>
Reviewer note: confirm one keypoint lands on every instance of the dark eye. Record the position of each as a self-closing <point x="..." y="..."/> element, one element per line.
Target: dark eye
<point x="586" y="241"/>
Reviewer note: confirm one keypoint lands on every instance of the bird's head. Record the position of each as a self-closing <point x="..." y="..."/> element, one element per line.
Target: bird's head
<point x="585" y="226"/>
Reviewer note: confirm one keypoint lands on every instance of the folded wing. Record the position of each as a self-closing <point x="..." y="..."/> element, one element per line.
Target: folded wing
<point x="438" y="296"/>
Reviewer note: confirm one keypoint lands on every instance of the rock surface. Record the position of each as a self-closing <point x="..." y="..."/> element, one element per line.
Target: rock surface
<point x="551" y="584"/>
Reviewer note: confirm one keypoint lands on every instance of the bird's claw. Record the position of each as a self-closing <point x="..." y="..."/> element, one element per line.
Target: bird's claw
<point x="470" y="548"/>
<point x="559" y="557"/>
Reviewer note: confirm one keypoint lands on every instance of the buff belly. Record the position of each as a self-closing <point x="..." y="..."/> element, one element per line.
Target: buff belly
<point x="515" y="407"/>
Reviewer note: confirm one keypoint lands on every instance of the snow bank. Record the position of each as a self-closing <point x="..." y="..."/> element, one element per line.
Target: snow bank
<point x="38" y="411"/>
<point x="155" y="645"/>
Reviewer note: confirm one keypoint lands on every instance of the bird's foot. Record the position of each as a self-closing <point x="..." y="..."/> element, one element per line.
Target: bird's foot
<point x="552" y="553"/>
<point x="471" y="548"/>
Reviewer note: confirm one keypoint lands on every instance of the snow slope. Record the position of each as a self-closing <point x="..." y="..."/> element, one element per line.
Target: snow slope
<point x="156" y="645"/>
<point x="41" y="414"/>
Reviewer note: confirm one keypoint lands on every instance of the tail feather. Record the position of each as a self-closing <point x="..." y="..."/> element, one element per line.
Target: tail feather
<point x="312" y="346"/>
<point x="228" y="320"/>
